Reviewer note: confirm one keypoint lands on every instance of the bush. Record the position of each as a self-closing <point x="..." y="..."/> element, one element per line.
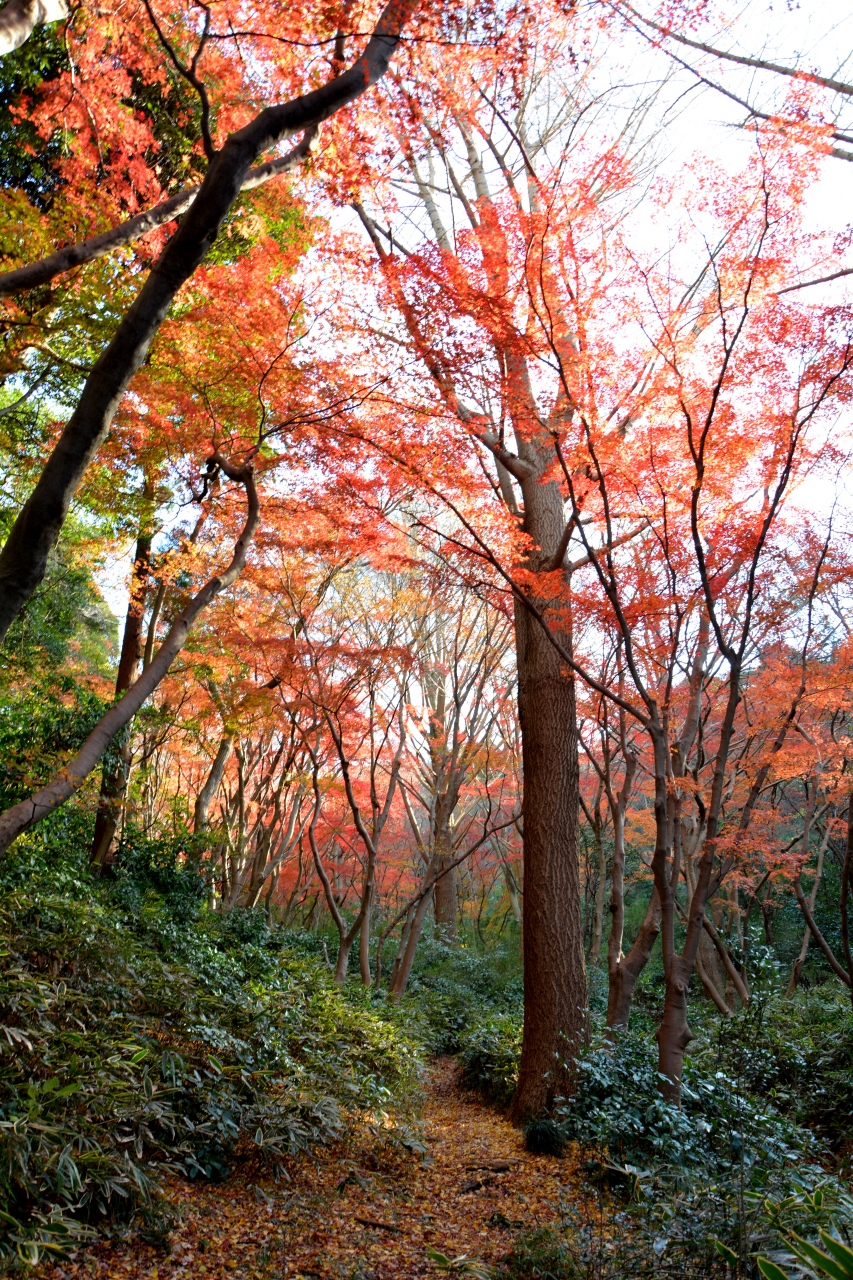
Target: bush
<point x="803" y="1061"/>
<point x="452" y="988"/>
<point x="119" y="1060"/>
<point x="489" y="1051"/>
<point x="699" y="1183"/>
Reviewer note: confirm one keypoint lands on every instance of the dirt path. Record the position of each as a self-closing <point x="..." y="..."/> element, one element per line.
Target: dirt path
<point x="355" y="1214"/>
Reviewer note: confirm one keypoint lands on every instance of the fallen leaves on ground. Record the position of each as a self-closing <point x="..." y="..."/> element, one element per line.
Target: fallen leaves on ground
<point x="355" y="1212"/>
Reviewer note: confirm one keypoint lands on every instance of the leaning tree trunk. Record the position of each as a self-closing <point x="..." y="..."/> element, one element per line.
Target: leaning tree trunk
<point x="114" y="783"/>
<point x="403" y="969"/>
<point x="554" y="969"/>
<point x="211" y="785"/>
<point x="69" y="779"/>
<point x="24" y="557"/>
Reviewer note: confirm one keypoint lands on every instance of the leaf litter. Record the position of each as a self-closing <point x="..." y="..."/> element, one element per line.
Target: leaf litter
<point x="358" y="1210"/>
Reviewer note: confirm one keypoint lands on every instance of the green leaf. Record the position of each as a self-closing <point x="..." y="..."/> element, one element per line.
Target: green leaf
<point x="839" y="1251"/>
<point x="817" y="1258"/>
<point x="770" y="1271"/>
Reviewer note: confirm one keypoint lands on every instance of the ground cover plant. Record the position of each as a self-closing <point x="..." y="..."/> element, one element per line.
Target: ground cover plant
<point x="140" y="1036"/>
<point x="426" y="672"/>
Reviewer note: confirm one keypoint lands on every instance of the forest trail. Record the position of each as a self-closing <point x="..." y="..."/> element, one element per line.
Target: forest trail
<point x="355" y="1213"/>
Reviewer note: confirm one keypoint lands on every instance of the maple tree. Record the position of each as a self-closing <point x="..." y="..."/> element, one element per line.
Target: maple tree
<point x="528" y="278"/>
<point x="447" y="346"/>
<point x="24" y="557"/>
<point x="37" y="527"/>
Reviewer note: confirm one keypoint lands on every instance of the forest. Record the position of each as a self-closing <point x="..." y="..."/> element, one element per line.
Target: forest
<point x="426" y="640"/>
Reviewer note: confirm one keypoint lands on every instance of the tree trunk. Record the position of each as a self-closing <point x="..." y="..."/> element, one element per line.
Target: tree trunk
<point x="600" y="891"/>
<point x="401" y="950"/>
<point x="23" y="560"/>
<point x="342" y="962"/>
<point x="624" y="971"/>
<point x="555" y="994"/>
<point x="70" y="778"/>
<point x="19" y="18"/>
<point x="446" y="897"/>
<point x="804" y="948"/>
<point x="554" y="972"/>
<point x="404" y="969"/>
<point x="211" y="785"/>
<point x="712" y="968"/>
<point x="364" y="942"/>
<point x="114" y="782"/>
<point x="674" y="1034"/>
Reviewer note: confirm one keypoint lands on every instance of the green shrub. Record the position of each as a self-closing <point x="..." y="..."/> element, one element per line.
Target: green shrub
<point x="489" y="1051"/>
<point x="803" y="1061"/>
<point x="719" y="1127"/>
<point x="698" y="1234"/>
<point x="119" y="1059"/>
<point x="453" y="987"/>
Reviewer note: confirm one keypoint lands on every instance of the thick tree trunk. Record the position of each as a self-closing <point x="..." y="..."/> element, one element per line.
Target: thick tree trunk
<point x="674" y="1034"/>
<point x="554" y="971"/>
<point x="446" y="897"/>
<point x="555" y="993"/>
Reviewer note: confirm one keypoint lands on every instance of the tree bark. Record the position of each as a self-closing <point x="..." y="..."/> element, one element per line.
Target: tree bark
<point x="19" y="18"/>
<point x="804" y="948"/>
<point x="404" y="969"/>
<point x="446" y="896"/>
<point x="364" y="942"/>
<point x="600" y="894"/>
<point x="624" y="970"/>
<point x="211" y="785"/>
<point x="555" y="992"/>
<point x="846" y="889"/>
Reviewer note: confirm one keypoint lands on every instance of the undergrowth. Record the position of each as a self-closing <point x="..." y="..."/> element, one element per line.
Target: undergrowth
<point x="757" y="1148"/>
<point x="140" y="1032"/>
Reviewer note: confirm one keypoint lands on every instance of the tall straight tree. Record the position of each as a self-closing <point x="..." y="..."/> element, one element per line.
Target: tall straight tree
<point x="465" y="300"/>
